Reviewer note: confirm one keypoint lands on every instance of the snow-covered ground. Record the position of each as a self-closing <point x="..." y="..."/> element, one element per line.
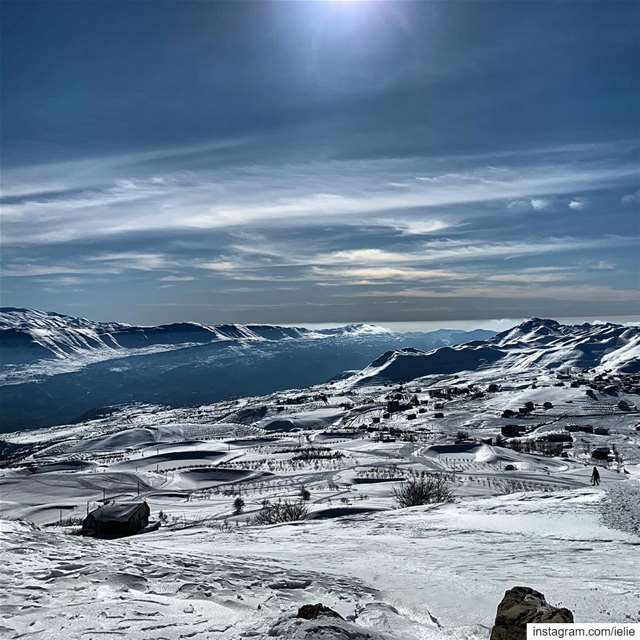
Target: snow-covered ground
<point x="525" y="512"/>
<point x="423" y="572"/>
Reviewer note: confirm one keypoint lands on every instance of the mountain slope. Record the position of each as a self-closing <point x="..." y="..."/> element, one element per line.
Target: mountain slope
<point x="57" y="368"/>
<point x="536" y="343"/>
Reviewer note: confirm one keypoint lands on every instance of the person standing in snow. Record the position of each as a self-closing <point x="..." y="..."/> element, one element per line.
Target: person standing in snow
<point x="595" y="477"/>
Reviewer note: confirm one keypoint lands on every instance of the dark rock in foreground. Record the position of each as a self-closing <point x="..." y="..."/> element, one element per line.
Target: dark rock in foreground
<point x="313" y="611"/>
<point x="523" y="605"/>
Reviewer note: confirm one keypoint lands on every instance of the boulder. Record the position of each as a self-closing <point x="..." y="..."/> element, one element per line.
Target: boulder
<point x="523" y="605"/>
<point x="313" y="611"/>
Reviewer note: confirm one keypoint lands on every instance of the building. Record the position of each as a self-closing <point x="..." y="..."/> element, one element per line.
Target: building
<point x="116" y="519"/>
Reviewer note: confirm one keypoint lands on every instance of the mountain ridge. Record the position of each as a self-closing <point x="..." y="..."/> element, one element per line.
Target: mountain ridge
<point x="535" y="343"/>
<point x="31" y="334"/>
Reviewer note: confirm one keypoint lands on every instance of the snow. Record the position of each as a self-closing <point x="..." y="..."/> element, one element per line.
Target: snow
<point x="37" y="344"/>
<point x="433" y="571"/>
<point x="416" y="573"/>
<point x="533" y="345"/>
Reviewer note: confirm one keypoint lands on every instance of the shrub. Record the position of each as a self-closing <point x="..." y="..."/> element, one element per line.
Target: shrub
<point x="283" y="511"/>
<point x="238" y="505"/>
<point x="423" y="490"/>
<point x="620" y="508"/>
<point x="304" y="494"/>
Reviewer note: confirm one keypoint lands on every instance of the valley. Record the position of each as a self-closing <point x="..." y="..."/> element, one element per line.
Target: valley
<point x="516" y="443"/>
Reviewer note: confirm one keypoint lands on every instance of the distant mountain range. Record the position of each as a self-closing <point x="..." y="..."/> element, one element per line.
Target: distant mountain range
<point x="28" y="335"/>
<point x="534" y="344"/>
<point x="56" y="368"/>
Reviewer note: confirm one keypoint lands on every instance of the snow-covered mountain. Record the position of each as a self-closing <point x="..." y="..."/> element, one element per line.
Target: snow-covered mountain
<point x="536" y="343"/>
<point x="87" y="365"/>
<point x="28" y="334"/>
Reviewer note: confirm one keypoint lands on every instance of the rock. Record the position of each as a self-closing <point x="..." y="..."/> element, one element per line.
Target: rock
<point x="324" y="628"/>
<point x="522" y="605"/>
<point x="313" y="611"/>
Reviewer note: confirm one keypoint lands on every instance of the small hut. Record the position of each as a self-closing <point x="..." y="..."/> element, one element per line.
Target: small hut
<point x="116" y="519"/>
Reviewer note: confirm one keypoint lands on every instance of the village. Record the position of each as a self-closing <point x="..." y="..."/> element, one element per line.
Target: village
<point x="345" y="448"/>
<point x="219" y="518"/>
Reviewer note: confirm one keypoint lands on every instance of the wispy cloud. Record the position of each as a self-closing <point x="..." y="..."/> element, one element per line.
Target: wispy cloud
<point x="535" y="292"/>
<point x="631" y="198"/>
<point x="64" y="207"/>
<point x="447" y="228"/>
<point x="177" y="279"/>
<point x="362" y="275"/>
<point x="465" y="250"/>
<point x="577" y="204"/>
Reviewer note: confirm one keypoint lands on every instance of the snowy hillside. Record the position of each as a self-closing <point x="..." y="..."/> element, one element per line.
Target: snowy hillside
<point x="524" y="511"/>
<point x="535" y="344"/>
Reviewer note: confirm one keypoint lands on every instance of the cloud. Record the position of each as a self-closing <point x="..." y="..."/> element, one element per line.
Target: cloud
<point x="30" y="270"/>
<point x="134" y="260"/>
<point x="365" y="274"/>
<point x="577" y="203"/>
<point x="538" y="204"/>
<point x="220" y="266"/>
<point x="529" y="278"/>
<point x="535" y="204"/>
<point x="117" y="196"/>
<point x="177" y="279"/>
<point x="449" y="250"/>
<point x="602" y="265"/>
<point x="631" y="198"/>
<point x="559" y="293"/>
<point x="418" y="227"/>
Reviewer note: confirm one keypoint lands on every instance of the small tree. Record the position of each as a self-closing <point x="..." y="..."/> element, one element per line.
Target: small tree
<point x="238" y="505"/>
<point x="284" y="511"/>
<point x="304" y="494"/>
<point x="423" y="490"/>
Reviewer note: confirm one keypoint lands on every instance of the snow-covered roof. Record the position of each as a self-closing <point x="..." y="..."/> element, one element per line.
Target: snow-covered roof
<point x="117" y="511"/>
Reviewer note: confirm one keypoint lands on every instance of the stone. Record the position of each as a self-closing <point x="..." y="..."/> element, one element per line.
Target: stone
<point x="523" y="605"/>
<point x="313" y="611"/>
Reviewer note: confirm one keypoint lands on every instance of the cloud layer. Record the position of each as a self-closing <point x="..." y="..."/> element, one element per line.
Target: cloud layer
<point x="300" y="162"/>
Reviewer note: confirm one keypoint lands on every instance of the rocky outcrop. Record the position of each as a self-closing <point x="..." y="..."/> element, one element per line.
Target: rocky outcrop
<point x="523" y="605"/>
<point x="313" y="611"/>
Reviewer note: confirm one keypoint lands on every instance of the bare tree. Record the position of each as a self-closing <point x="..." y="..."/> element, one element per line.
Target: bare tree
<point x="427" y="489"/>
<point x="283" y="511"/>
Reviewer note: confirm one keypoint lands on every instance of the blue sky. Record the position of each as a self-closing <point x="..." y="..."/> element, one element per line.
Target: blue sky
<point x="322" y="161"/>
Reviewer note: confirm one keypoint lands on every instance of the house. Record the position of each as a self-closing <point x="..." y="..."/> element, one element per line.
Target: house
<point x="116" y="519"/>
<point x="601" y="453"/>
<point x="513" y="430"/>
